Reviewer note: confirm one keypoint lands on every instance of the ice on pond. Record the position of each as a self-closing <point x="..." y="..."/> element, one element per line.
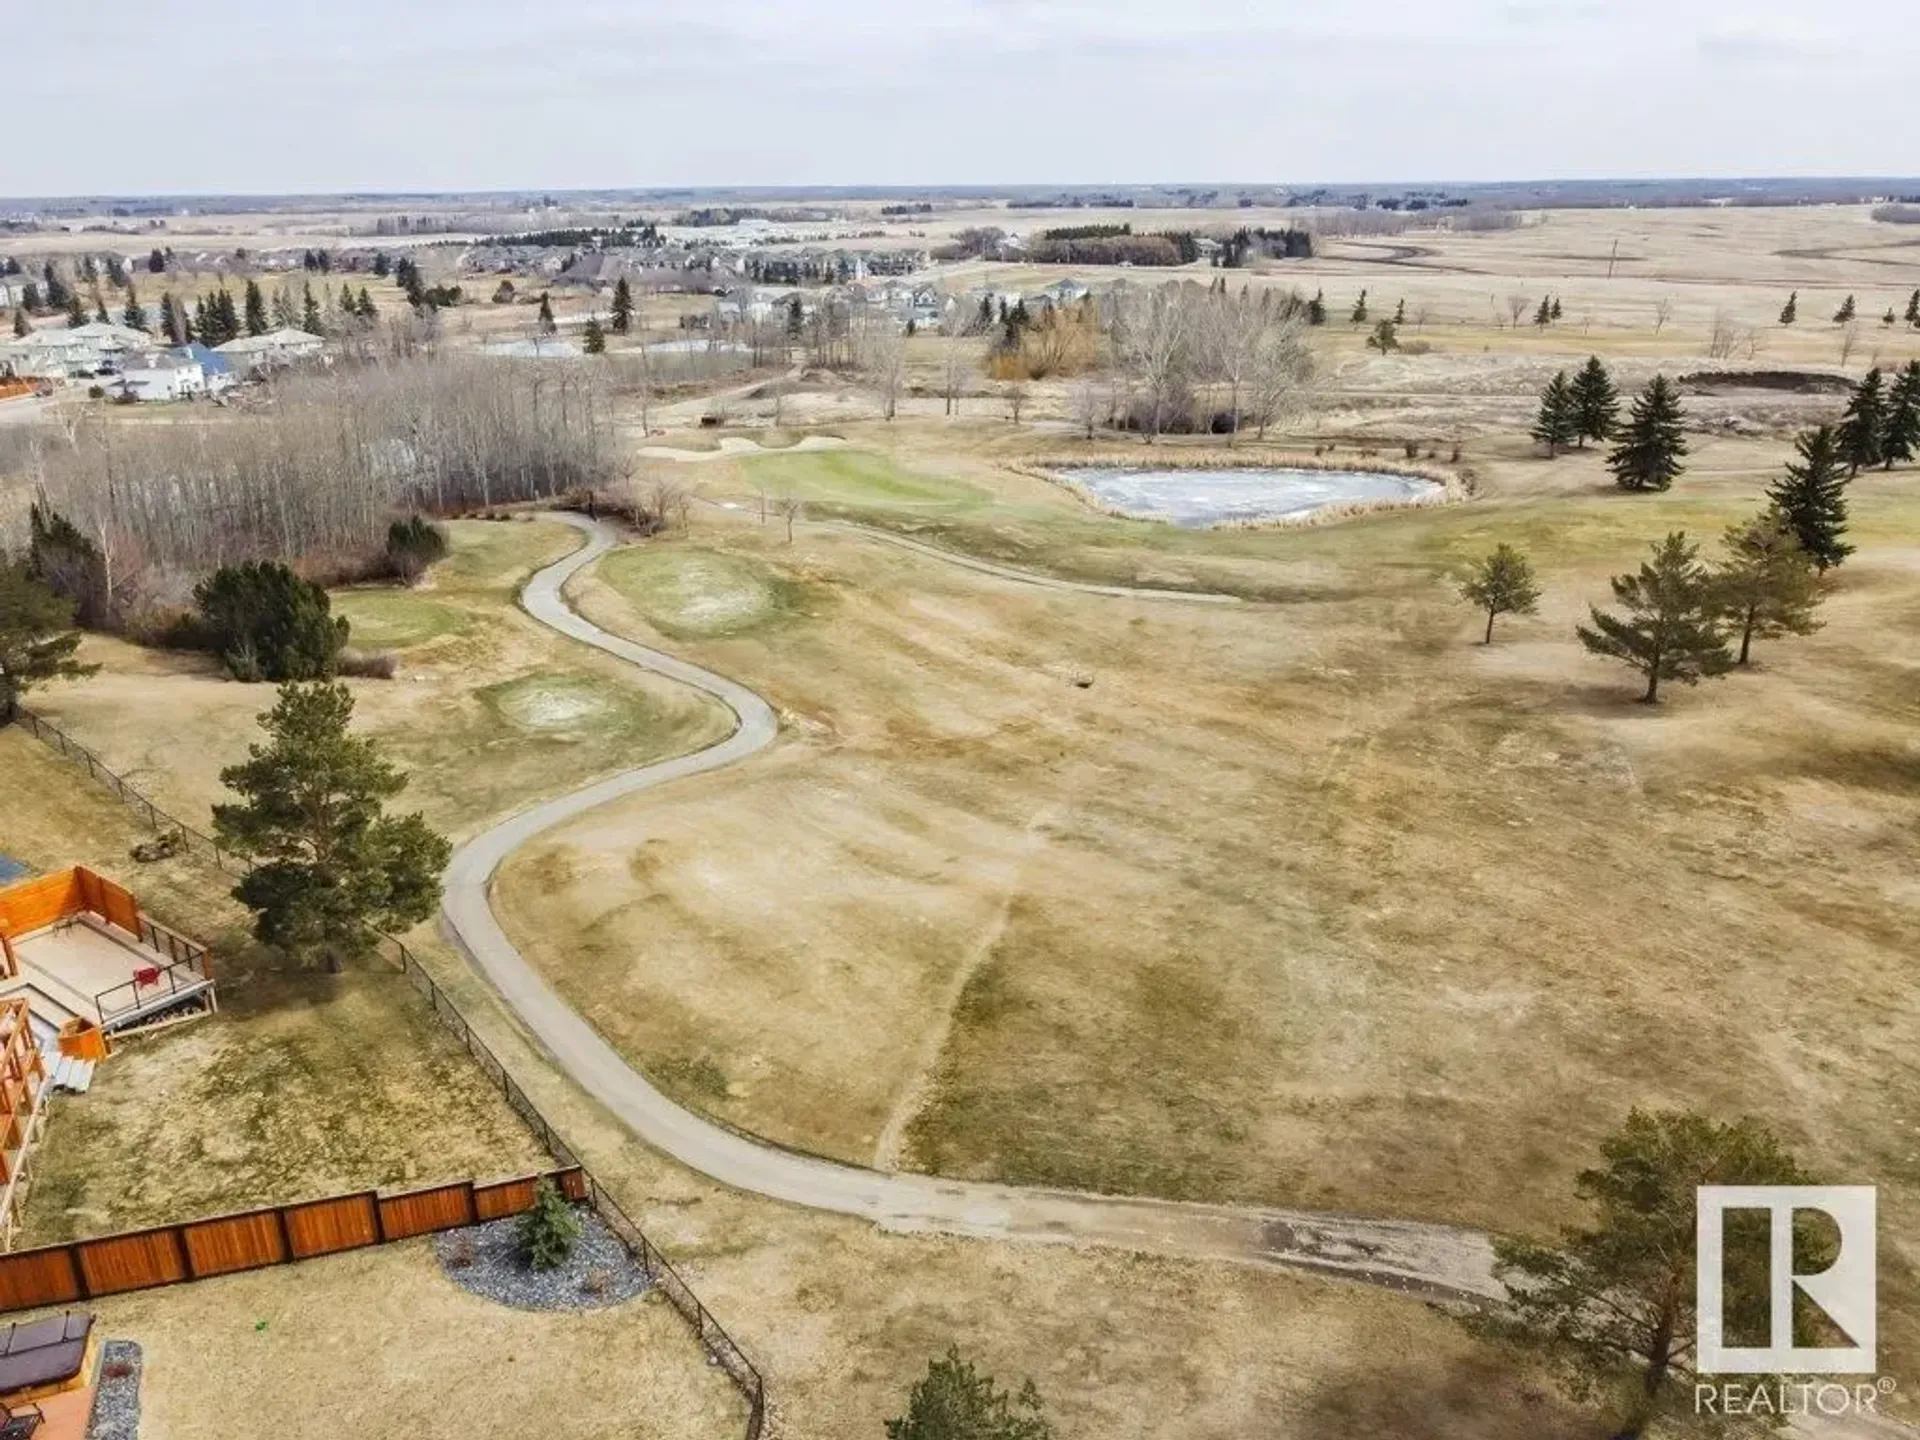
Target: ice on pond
<point x="1199" y="498"/>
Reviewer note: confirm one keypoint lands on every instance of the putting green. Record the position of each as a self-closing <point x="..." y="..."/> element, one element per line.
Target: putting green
<point x="396" y="619"/>
<point x="560" y="705"/>
<point x="686" y="591"/>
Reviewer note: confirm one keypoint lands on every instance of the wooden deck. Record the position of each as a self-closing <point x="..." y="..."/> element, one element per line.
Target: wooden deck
<point x="71" y="965"/>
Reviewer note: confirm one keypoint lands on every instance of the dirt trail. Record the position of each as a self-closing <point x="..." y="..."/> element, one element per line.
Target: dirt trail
<point x="1436" y="1260"/>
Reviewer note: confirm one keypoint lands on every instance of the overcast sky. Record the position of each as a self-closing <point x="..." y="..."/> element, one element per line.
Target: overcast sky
<point x="294" y="95"/>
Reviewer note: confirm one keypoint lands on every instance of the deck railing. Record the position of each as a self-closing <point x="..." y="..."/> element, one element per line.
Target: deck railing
<point x="718" y="1344"/>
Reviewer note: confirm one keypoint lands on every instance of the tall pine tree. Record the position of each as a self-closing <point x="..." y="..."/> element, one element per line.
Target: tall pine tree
<point x="1595" y="402"/>
<point x="1654" y="442"/>
<point x="170" y="325"/>
<point x="622" y="307"/>
<point x="1846" y="311"/>
<point x="1558" y="423"/>
<point x="1864" y="423"/>
<point x="1674" y="627"/>
<point x="310" y="312"/>
<point x="21" y="329"/>
<point x="1812" y="498"/>
<point x="256" y="310"/>
<point x="1913" y="308"/>
<point x="1767" y="583"/>
<point x="593" y="339"/>
<point x="1900" y="440"/>
<point x="134" y="317"/>
<point x="1790" y="312"/>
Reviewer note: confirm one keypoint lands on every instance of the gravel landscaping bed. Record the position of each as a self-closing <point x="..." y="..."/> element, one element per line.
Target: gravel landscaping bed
<point x="116" y="1401"/>
<point x="600" y="1272"/>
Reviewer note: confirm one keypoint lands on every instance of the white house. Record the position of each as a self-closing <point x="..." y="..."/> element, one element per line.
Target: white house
<point x="161" y="375"/>
<point x="252" y="354"/>
<point x="13" y="288"/>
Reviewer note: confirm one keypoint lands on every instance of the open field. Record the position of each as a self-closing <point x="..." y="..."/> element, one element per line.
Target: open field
<point x="488" y="711"/>
<point x="303" y="1084"/>
<point x="381" y="1342"/>
<point x="1299" y="902"/>
<point x="1309" y="900"/>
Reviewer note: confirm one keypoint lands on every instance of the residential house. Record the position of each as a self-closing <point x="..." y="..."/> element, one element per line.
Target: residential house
<point x="277" y="349"/>
<point x="160" y="375"/>
<point x="219" y="374"/>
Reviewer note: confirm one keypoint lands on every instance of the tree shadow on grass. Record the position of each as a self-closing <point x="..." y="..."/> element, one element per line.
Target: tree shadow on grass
<point x="1485" y="1394"/>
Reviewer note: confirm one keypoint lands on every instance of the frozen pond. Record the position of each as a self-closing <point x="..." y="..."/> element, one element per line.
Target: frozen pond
<point x="1198" y="498"/>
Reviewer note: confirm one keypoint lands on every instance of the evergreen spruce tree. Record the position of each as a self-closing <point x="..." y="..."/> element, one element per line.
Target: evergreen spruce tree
<point x="21" y="329"/>
<point x="381" y="265"/>
<point x="1768" y="585"/>
<point x="1544" y="315"/>
<point x="310" y="312"/>
<point x="89" y="268"/>
<point x="30" y="298"/>
<point x="954" y="1401"/>
<point x="1790" y="312"/>
<point x="1812" y="498"/>
<point x="59" y="296"/>
<point x="1399" y="310"/>
<point x="1595" y="402"/>
<point x="100" y="316"/>
<point x="1556" y="307"/>
<point x="1900" y="441"/>
<point x="1913" y="308"/>
<point x="76" y="312"/>
<point x="1864" y="423"/>
<point x="1846" y="311"/>
<point x="1674" y="627"/>
<point x="256" y="310"/>
<point x="285" y="317"/>
<point x="622" y="306"/>
<point x="1359" y="316"/>
<point x="1502" y="584"/>
<point x="367" y="311"/>
<point x="547" y="1231"/>
<point x="37" y="638"/>
<point x="1889" y="319"/>
<point x="170" y="325"/>
<point x="1653" y="441"/>
<point x="116" y="271"/>
<point x="330" y="864"/>
<point x="547" y="325"/>
<point x="1317" y="308"/>
<point x="134" y="317"/>
<point x="1557" y="425"/>
<point x="156" y="263"/>
<point x="593" y="339"/>
<point x="203" y="324"/>
<point x="229" y="316"/>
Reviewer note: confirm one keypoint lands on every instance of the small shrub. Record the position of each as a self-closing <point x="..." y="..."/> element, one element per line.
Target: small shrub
<point x="117" y="1369"/>
<point x="412" y="545"/>
<point x="368" y="664"/>
<point x="1412" y="449"/>
<point x="164" y="846"/>
<point x="597" y="1281"/>
<point x="461" y="1251"/>
<point x="548" y="1230"/>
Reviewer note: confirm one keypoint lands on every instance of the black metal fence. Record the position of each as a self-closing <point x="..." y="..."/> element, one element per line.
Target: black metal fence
<point x="718" y="1344"/>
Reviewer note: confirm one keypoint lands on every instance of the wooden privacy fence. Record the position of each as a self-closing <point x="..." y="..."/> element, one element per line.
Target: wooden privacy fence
<point x="718" y="1344"/>
<point x="275" y="1235"/>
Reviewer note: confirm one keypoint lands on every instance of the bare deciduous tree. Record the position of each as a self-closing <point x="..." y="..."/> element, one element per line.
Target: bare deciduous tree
<point x="790" y="508"/>
<point x="1016" y="396"/>
<point x="1662" y="313"/>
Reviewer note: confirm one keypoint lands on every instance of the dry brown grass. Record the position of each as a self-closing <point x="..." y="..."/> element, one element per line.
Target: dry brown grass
<point x="304" y="1084"/>
<point x="1312" y="902"/>
<point x="381" y="1342"/>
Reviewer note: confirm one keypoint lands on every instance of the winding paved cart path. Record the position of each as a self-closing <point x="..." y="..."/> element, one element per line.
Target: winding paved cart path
<point x="1422" y="1258"/>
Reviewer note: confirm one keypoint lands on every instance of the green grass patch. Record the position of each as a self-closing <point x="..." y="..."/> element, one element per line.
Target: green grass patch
<point x="856" y="479"/>
<point x="688" y="592"/>
<point x="396" y="619"/>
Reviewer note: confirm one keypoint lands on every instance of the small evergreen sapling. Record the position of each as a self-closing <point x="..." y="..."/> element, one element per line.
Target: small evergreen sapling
<point x="547" y="1232"/>
<point x="1502" y="584"/>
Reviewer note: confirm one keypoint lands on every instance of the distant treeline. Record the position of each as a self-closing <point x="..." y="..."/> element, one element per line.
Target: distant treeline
<point x="1902" y="212"/>
<point x="711" y="215"/>
<point x="1245" y="245"/>
<point x="596" y="237"/>
<point x="915" y="207"/>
